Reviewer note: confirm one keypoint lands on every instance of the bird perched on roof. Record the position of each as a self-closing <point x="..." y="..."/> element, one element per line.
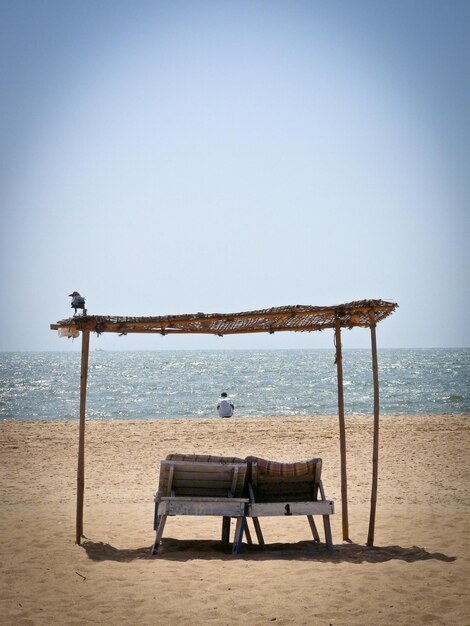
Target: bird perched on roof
<point x="78" y="302"/>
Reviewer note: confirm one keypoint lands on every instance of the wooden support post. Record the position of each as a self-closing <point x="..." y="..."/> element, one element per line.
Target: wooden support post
<point x="81" y="436"/>
<point x="342" y="431"/>
<point x="375" y="453"/>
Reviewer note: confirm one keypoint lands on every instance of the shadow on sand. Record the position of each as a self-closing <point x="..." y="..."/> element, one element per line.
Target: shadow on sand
<point x="177" y="550"/>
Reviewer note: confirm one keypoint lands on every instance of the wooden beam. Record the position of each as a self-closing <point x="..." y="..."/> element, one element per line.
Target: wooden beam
<point x="81" y="436"/>
<point x="375" y="452"/>
<point x="342" y="431"/>
<point x="128" y="330"/>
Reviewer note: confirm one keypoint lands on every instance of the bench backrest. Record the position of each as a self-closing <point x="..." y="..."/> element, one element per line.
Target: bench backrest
<point x="203" y="458"/>
<point x="202" y="479"/>
<point x="282" y="482"/>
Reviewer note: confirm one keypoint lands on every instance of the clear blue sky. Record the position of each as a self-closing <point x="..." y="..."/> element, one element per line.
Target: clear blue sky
<point x="175" y="157"/>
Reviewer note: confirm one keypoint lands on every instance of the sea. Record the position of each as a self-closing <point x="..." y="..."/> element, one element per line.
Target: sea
<point x="187" y="384"/>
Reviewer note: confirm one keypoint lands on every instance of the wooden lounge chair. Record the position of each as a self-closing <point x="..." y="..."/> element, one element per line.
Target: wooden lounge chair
<point x="206" y="487"/>
<point x="201" y="458"/>
<point x="284" y="489"/>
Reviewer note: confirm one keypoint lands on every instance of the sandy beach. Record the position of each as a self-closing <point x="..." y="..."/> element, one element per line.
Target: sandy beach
<point x="418" y="572"/>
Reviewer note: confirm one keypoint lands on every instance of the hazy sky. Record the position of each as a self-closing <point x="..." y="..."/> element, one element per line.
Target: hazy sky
<point x="175" y="157"/>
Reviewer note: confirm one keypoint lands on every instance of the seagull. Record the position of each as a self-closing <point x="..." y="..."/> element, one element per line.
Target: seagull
<point x="78" y="302"/>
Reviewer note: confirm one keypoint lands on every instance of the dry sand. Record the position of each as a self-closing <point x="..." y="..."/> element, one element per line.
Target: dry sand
<point x="418" y="573"/>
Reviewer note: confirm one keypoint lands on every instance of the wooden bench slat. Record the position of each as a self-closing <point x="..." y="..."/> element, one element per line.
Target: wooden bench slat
<point x="201" y="492"/>
<point x="213" y="507"/>
<point x="200" y="479"/>
<point x="295" y="508"/>
<point x="263" y="478"/>
<point x="203" y="466"/>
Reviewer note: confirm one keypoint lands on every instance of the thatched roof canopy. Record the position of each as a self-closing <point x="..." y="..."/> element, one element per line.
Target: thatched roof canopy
<point x="299" y="318"/>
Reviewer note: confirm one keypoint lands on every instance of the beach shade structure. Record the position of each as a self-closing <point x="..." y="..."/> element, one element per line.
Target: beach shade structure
<point x="296" y="318"/>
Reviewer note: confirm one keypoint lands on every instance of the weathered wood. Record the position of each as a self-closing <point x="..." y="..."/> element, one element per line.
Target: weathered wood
<point x="342" y="432"/>
<point x="375" y="453"/>
<point x="239" y="530"/>
<point x="111" y="328"/>
<point x="259" y="534"/>
<point x="295" y="481"/>
<point x="328" y="537"/>
<point x="230" y="507"/>
<point x="200" y="492"/>
<point x="189" y="499"/>
<point x="256" y="524"/>
<point x="313" y="528"/>
<point x="171" y="472"/>
<point x="276" y="509"/>
<point x="159" y="533"/>
<point x="225" y="529"/>
<point x="249" y="540"/>
<point x="202" y="478"/>
<point x="81" y="437"/>
<point x="234" y="480"/>
<point x="223" y="480"/>
<point x="203" y="468"/>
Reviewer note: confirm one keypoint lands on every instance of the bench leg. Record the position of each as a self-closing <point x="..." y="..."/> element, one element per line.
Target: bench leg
<point x="259" y="534"/>
<point x="313" y="528"/>
<point x="239" y="529"/>
<point x="327" y="527"/>
<point x="158" y="536"/>
<point x="156" y="517"/>
<point x="225" y="529"/>
<point x="249" y="540"/>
